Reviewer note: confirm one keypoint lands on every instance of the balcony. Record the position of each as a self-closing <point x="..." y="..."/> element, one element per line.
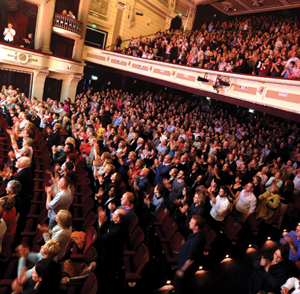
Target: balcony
<point x="280" y="96"/>
<point x="67" y="26"/>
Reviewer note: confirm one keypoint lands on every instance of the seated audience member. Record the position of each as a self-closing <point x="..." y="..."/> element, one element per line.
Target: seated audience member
<point x="292" y="239"/>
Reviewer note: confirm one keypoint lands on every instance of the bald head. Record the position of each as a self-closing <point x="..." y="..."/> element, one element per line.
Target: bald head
<point x="118" y="216"/>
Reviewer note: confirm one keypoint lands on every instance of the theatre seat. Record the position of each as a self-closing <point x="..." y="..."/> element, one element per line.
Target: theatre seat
<point x="137" y="237"/>
<point x="172" y="249"/>
<point x="167" y="230"/>
<point x="134" y="265"/>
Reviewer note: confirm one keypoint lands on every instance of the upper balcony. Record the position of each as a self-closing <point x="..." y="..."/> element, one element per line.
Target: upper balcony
<point x="67" y="26"/>
<point x="276" y="95"/>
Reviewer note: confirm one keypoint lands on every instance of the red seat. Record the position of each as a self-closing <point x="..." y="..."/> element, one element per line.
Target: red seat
<point x="167" y="230"/>
<point x="209" y="236"/>
<point x="90" y="238"/>
<point x="90" y="286"/>
<point x="161" y="216"/>
<point x="133" y="224"/>
<point x="134" y="265"/>
<point x="137" y="237"/>
<point x="80" y="213"/>
<point x="172" y="249"/>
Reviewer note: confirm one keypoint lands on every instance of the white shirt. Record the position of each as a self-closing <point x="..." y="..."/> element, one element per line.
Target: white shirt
<point x="246" y="202"/>
<point x="292" y="283"/>
<point x="219" y="210"/>
<point x="10" y="34"/>
<point x="296" y="182"/>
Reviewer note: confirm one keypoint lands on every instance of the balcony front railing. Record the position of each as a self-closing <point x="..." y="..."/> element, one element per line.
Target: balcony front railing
<point x="69" y="24"/>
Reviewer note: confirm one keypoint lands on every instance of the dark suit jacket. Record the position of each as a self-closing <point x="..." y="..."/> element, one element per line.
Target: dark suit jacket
<point x="24" y="176"/>
<point x="162" y="171"/>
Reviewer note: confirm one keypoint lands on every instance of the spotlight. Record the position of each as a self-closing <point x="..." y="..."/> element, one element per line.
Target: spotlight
<point x="200" y="267"/>
<point x="223" y="83"/>
<point x="200" y="79"/>
<point x="227" y="255"/>
<point x="250" y="245"/>
<point x="168" y="282"/>
<point x="269" y="238"/>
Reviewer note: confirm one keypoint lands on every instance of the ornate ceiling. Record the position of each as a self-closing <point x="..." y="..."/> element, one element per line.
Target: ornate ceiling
<point x="234" y="7"/>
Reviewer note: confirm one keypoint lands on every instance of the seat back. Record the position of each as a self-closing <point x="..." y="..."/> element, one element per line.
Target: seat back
<point x="89" y="221"/>
<point x="90" y="286"/>
<point x="86" y="193"/>
<point x="209" y="236"/>
<point x="133" y="224"/>
<point x="91" y="254"/>
<point x="90" y="238"/>
<point x="141" y="258"/>
<point x="169" y="228"/>
<point x="87" y="207"/>
<point x="136" y="238"/>
<point x="161" y="216"/>
<point x="176" y="243"/>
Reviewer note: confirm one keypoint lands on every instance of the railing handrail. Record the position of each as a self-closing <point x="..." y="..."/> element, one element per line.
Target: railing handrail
<point x="266" y="79"/>
<point x="67" y="23"/>
<point x="68" y="17"/>
<point x="130" y="39"/>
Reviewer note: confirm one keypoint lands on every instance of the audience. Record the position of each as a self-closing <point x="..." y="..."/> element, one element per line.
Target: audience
<point x="150" y="150"/>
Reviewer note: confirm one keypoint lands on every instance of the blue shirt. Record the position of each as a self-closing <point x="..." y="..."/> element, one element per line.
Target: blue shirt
<point x="191" y="250"/>
<point x="293" y="257"/>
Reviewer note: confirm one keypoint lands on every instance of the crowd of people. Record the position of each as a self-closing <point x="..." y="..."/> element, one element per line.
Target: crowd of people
<point x="148" y="151"/>
<point x="260" y="45"/>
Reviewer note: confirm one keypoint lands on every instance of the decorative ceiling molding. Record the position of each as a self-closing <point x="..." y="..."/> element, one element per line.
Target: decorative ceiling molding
<point x="236" y="7"/>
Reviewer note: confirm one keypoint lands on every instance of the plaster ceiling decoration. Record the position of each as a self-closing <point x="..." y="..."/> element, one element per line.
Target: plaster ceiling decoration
<point x="236" y="7"/>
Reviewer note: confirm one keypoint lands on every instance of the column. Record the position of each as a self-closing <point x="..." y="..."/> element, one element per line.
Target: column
<point x="69" y="87"/>
<point x="44" y="26"/>
<point x="38" y="83"/>
<point x="83" y="11"/>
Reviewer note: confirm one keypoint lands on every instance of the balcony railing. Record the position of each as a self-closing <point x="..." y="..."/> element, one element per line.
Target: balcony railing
<point x="65" y="25"/>
<point x="282" y="95"/>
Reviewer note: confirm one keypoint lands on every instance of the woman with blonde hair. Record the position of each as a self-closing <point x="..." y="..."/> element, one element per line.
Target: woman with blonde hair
<point x="61" y="232"/>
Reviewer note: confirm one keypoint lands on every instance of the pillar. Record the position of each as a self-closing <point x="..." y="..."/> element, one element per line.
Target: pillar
<point x="38" y="83"/>
<point x="69" y="87"/>
<point x="44" y="26"/>
<point x="83" y="11"/>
